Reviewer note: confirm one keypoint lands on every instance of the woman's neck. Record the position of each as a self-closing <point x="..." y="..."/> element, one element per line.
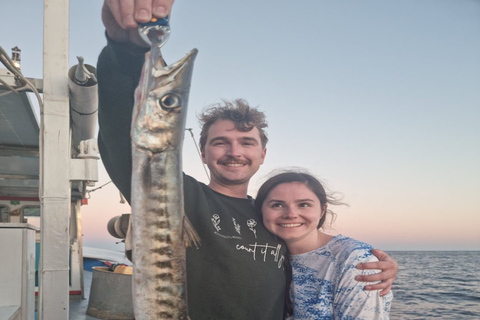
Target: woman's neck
<point x="306" y="245"/>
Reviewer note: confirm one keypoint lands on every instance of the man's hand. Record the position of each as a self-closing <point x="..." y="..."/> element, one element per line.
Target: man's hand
<point x="389" y="269"/>
<point x="121" y="17"/>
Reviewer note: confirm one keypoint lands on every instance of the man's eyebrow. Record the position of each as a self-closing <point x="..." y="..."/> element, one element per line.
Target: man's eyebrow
<point x="218" y="139"/>
<point x="249" y="139"/>
<point x="222" y="138"/>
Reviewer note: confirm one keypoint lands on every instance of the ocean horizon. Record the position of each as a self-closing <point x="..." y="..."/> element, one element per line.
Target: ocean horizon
<point x="434" y="284"/>
<point x="431" y="284"/>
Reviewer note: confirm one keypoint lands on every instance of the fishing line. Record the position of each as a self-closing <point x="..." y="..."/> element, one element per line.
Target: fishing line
<point x="122" y="199"/>
<point x="198" y="151"/>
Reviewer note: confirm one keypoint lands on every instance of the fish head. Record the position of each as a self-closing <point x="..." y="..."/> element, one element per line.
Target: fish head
<point x="160" y="113"/>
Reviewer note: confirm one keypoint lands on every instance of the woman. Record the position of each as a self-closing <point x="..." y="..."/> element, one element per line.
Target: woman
<point x="294" y="207"/>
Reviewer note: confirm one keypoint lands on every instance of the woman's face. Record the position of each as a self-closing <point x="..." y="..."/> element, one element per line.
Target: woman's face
<point x="292" y="212"/>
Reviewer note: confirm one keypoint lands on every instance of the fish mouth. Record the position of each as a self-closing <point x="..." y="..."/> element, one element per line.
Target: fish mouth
<point x="172" y="69"/>
<point x="188" y="57"/>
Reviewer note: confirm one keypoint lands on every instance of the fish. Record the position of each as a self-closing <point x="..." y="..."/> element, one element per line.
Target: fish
<point x="160" y="230"/>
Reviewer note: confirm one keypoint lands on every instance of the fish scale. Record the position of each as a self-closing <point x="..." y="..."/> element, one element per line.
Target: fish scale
<point x="159" y="224"/>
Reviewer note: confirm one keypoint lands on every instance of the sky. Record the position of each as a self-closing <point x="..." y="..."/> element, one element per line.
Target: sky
<point x="379" y="99"/>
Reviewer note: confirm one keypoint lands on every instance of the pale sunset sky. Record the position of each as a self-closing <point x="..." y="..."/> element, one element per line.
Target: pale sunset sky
<point x="379" y="99"/>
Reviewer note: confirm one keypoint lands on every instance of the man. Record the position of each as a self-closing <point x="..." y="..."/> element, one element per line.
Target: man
<point x="238" y="271"/>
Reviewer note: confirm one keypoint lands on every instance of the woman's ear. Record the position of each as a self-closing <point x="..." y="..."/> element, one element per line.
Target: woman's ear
<point x="324" y="209"/>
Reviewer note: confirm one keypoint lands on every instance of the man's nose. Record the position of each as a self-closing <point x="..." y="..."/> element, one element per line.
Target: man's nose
<point x="234" y="150"/>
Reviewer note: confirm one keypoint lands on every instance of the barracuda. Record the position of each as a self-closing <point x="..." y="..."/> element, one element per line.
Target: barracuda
<point x="160" y="229"/>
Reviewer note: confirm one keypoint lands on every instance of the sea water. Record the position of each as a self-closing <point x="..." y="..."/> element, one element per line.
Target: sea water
<point x="436" y="285"/>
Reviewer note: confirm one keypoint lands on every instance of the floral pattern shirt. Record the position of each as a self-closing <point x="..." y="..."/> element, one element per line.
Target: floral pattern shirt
<point x="323" y="285"/>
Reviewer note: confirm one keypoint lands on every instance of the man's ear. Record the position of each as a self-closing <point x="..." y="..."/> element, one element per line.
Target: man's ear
<point x="264" y="154"/>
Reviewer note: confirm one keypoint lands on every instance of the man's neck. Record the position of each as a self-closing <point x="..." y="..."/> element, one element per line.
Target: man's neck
<point x="235" y="191"/>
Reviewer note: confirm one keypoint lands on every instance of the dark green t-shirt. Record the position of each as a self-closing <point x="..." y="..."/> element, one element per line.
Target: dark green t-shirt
<point x="237" y="273"/>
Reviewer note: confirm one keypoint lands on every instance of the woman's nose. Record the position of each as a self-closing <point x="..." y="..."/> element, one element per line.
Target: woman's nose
<point x="290" y="213"/>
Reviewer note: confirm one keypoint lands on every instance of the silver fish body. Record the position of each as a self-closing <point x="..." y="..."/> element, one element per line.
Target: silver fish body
<point x="158" y="219"/>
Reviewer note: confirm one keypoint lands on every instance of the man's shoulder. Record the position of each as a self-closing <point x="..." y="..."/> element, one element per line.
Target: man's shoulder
<point x="195" y="190"/>
<point x="191" y="181"/>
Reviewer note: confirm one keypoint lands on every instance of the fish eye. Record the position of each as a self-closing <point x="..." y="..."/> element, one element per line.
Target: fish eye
<point x="170" y="101"/>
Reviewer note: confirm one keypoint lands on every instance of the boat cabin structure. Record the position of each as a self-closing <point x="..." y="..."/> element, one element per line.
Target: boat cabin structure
<point x="47" y="160"/>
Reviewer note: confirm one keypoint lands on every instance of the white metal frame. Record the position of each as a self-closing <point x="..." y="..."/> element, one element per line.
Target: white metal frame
<point x="55" y="193"/>
<point x="57" y="170"/>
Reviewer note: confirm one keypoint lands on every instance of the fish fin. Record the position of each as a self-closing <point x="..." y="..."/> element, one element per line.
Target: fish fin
<point x="128" y="240"/>
<point x="190" y="235"/>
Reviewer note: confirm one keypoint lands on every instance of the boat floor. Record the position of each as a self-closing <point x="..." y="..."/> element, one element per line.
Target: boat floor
<point x="78" y="306"/>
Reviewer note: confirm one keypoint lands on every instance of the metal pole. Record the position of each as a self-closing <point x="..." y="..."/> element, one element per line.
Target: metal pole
<point x="55" y="192"/>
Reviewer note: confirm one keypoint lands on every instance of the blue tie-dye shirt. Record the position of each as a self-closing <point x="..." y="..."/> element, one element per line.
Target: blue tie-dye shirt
<point x="324" y="285"/>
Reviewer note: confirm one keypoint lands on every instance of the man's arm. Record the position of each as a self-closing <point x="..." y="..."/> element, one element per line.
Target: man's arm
<point x="118" y="72"/>
<point x="354" y="302"/>
<point x="389" y="269"/>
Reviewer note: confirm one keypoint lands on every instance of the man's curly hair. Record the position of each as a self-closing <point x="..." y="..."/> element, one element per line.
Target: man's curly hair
<point x="239" y="112"/>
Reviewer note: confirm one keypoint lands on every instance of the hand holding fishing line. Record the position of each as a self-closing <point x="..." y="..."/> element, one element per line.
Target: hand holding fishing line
<point x="121" y="18"/>
<point x="155" y="32"/>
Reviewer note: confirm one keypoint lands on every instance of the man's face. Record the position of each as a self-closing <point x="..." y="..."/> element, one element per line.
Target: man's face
<point x="232" y="156"/>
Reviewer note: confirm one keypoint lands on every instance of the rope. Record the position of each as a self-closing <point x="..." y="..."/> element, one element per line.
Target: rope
<point x="93" y="190"/>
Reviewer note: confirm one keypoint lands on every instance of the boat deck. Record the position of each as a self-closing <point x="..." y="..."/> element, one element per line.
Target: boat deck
<point x="78" y="307"/>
